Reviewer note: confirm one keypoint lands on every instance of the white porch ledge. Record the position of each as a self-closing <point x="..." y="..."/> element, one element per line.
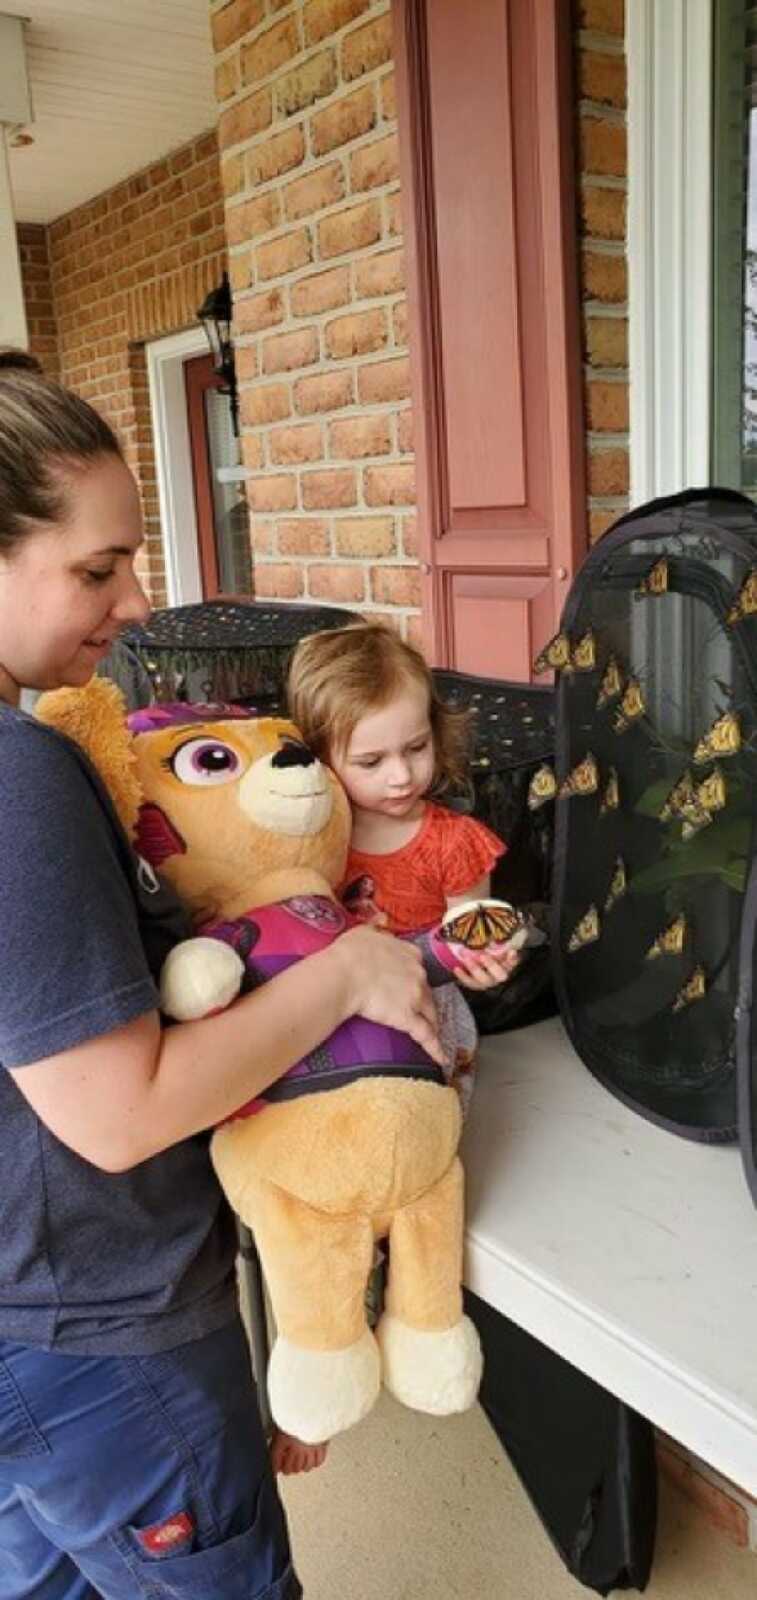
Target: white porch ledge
<point x="629" y="1251"/>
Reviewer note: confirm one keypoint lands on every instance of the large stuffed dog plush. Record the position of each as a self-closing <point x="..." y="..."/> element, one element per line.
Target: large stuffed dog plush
<point x="359" y="1141"/>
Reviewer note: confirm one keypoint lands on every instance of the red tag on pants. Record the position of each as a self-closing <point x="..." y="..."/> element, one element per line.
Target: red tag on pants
<point x="165" y="1538"/>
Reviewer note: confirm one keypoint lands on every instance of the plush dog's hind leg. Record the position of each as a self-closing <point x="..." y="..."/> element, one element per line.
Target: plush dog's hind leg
<point x="430" y="1352"/>
<point x="324" y="1373"/>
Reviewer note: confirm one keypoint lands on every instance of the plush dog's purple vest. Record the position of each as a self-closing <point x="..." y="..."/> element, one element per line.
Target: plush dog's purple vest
<point x="272" y="938"/>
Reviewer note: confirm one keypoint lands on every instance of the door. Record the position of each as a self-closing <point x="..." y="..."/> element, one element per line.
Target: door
<point x="486" y="111"/>
<point x="223" y="532"/>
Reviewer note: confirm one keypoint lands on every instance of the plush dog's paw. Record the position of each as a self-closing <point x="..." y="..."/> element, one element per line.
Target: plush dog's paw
<point x="435" y="1372"/>
<point x="315" y="1394"/>
<point x="198" y="977"/>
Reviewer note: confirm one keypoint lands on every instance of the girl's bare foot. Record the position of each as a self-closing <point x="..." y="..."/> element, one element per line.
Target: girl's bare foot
<point x="290" y="1455"/>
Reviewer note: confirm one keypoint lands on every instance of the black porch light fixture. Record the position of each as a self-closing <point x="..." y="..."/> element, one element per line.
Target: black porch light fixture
<point x="215" y="314"/>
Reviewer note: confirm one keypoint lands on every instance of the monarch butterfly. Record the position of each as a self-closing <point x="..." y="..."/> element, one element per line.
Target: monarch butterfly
<point x="632" y="705"/>
<point x="611" y="685"/>
<point x="656" y="580"/>
<point x="680" y="795"/>
<point x="694" y="989"/>
<point x="585" y="931"/>
<point x="543" y="787"/>
<point x="611" y="796"/>
<point x="712" y="792"/>
<point x="745" y="604"/>
<point x="671" y="941"/>
<point x="695" y="817"/>
<point x="481" y="923"/>
<point x="618" y="883"/>
<point x="584" y="779"/>
<point x="722" y="739"/>
<point x="556" y="653"/>
<point x="584" y="654"/>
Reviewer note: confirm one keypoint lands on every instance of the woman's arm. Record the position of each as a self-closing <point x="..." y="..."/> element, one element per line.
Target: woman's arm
<point x="123" y="1096"/>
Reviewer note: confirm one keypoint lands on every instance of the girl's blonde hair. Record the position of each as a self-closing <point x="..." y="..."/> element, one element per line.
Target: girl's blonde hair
<point x="338" y="677"/>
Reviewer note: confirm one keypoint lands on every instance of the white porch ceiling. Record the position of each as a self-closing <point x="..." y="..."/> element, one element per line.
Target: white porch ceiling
<point x="115" y="85"/>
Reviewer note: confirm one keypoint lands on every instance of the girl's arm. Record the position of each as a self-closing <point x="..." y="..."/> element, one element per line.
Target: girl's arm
<point x="122" y="1097"/>
<point x="477" y="891"/>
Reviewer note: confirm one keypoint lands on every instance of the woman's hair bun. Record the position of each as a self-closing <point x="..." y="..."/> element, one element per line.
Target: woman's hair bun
<point x="16" y="360"/>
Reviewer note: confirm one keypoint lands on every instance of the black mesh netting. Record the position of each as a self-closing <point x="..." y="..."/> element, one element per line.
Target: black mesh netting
<point x="657" y="755"/>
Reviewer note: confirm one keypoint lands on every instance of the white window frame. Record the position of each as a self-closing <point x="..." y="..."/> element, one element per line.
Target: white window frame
<point x="166" y="359"/>
<point x="669" y="52"/>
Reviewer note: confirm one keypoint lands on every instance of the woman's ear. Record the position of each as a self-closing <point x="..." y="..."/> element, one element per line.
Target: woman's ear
<point x="95" y="718"/>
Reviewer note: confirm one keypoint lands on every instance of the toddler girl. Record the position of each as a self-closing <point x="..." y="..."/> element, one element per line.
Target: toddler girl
<point x="366" y="704"/>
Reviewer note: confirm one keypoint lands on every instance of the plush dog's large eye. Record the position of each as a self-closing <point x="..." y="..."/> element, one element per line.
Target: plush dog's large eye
<point x="205" y="761"/>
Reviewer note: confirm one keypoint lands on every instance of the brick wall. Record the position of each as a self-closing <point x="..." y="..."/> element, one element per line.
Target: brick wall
<point x="308" y="142"/>
<point x="309" y="169"/>
<point x="722" y="1504"/>
<point x="600" y="74"/>
<point x="38" y="296"/>
<point x="129" y="266"/>
<point x="309" y="165"/>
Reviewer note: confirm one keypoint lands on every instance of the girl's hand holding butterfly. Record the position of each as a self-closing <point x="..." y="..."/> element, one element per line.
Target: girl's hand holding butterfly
<point x="483" y="971"/>
<point x="479" y="930"/>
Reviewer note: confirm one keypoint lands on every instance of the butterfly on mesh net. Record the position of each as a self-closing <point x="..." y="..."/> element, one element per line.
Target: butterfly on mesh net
<point x="543" y="787"/>
<point x="711" y="793"/>
<point x="722" y="739"/>
<point x="584" y="779"/>
<point x="481" y="924"/>
<point x="672" y="939"/>
<point x="694" y="817"/>
<point x="586" y="931"/>
<point x="555" y="655"/>
<point x="611" y="685"/>
<point x="611" y="796"/>
<point x="632" y="705"/>
<point x="680" y="795"/>
<point x="618" y="883"/>
<point x="583" y="656"/>
<point x="745" y="604"/>
<point x="656" y="580"/>
<point x="695" y="988"/>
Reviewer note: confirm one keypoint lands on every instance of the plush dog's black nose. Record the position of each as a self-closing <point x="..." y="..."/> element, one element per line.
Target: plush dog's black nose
<point x="293" y="754"/>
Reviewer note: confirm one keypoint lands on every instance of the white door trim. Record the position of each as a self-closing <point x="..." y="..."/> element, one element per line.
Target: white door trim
<point x="669" y="48"/>
<point x="178" y="516"/>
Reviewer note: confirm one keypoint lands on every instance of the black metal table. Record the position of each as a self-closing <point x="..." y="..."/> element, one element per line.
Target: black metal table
<point x="216" y="650"/>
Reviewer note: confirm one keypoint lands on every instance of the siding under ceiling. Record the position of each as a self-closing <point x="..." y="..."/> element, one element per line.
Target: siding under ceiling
<point x="115" y="85"/>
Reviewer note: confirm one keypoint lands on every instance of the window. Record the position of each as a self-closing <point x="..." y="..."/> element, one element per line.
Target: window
<point x="669" y="44"/>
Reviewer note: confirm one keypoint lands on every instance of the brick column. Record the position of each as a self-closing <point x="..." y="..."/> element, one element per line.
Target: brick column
<point x="38" y="295"/>
<point x="601" y="86"/>
<point x="309" y="166"/>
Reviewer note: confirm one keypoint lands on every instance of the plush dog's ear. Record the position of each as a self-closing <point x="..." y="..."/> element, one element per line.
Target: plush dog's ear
<point x="95" y="718"/>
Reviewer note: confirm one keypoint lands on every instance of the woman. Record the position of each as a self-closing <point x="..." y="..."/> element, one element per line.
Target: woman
<point x="131" y="1455"/>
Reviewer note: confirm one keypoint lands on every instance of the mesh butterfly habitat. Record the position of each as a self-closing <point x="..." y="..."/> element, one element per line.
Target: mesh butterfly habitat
<point x="655" y="787"/>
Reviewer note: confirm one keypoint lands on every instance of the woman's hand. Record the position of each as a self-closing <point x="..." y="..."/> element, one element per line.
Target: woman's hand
<point x="484" y="971"/>
<point x="388" y="985"/>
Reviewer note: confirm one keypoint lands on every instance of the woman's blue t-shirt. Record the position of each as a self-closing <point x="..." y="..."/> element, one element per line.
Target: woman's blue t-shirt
<point x="90" y="1261"/>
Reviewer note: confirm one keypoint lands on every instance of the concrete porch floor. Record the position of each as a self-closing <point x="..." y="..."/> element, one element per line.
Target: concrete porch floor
<point x="409" y="1508"/>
